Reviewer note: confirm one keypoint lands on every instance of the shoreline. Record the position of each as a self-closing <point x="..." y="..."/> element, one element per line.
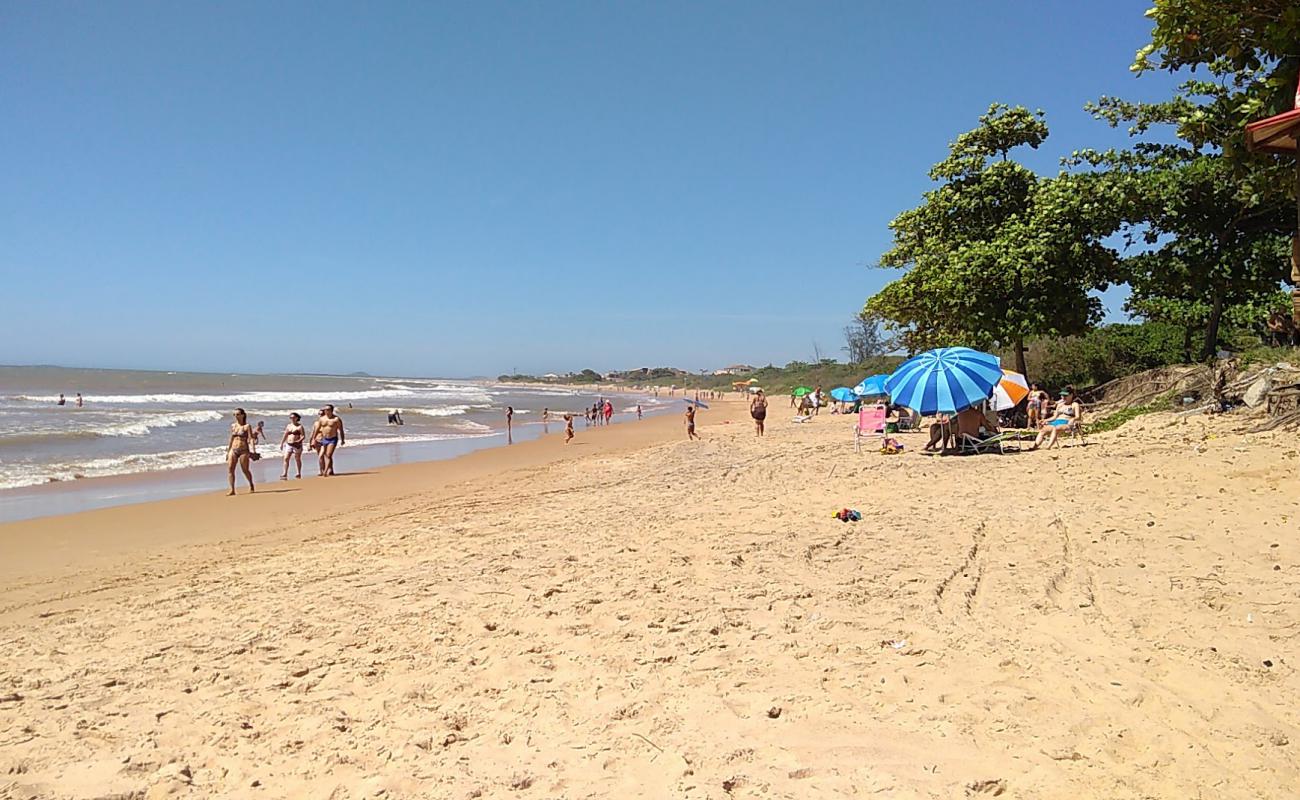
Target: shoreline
<point x="59" y="497"/>
<point x="92" y="539"/>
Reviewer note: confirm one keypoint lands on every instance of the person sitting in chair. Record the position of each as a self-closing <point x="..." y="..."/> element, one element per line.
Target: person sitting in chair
<point x="940" y="431"/>
<point x="972" y="422"/>
<point x="1067" y="417"/>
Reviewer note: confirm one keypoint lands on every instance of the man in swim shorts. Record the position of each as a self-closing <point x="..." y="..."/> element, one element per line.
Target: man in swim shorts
<point x="329" y="435"/>
<point x="690" y="422"/>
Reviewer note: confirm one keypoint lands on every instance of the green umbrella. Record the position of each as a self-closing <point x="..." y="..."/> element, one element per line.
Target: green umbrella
<point x="801" y="391"/>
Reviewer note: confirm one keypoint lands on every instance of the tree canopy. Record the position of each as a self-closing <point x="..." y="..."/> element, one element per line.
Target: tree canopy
<point x="997" y="254"/>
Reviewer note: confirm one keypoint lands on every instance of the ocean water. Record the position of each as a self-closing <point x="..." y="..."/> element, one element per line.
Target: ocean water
<point x="154" y="422"/>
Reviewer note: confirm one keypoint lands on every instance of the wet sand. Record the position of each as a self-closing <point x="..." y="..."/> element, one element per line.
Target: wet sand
<point x="650" y="617"/>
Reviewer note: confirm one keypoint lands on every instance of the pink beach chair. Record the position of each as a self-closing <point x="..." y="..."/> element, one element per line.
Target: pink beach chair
<point x="871" y="421"/>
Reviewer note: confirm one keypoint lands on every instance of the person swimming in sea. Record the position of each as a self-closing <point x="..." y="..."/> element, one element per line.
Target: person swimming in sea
<point x="239" y="450"/>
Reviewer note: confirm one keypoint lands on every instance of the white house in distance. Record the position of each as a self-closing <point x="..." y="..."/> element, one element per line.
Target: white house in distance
<point x="734" y="369"/>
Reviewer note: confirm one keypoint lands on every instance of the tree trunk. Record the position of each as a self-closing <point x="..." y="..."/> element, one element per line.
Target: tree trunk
<point x="1212" y="326"/>
<point x="1187" y="344"/>
<point x="1020" y="355"/>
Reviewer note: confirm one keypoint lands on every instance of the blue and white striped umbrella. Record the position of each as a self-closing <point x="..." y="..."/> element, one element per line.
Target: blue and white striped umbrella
<point x="945" y="380"/>
<point x="872" y="387"/>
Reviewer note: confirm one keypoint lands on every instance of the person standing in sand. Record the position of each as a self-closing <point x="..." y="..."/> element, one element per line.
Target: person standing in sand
<point x="758" y="410"/>
<point x="510" y="422"/>
<point x="329" y="435"/>
<point x="294" y="434"/>
<point x="690" y="422"/>
<point x="609" y="412"/>
<point x="568" y="428"/>
<point x="638" y="411"/>
<point x="239" y="449"/>
<point x="313" y="440"/>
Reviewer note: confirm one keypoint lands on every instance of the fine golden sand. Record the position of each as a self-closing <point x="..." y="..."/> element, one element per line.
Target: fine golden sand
<point x="643" y="616"/>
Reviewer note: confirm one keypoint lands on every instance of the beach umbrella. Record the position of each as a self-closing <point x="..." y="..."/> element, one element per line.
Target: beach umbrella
<point x="872" y="387"/>
<point x="947" y="380"/>
<point x="844" y="394"/>
<point x="1010" y="390"/>
<point x="800" y="391"/>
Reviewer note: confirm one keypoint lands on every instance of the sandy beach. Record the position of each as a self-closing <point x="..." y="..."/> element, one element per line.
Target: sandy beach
<point x="637" y="615"/>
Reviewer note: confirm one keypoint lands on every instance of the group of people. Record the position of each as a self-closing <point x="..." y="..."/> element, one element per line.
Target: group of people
<point x="600" y="413"/>
<point x="326" y="435"/>
<point x="810" y="404"/>
<point x="1051" y="418"/>
<point x="63" y="401"/>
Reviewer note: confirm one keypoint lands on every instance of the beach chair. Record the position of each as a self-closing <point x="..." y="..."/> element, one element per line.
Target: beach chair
<point x="967" y="444"/>
<point x="1077" y="431"/>
<point x="871" y="421"/>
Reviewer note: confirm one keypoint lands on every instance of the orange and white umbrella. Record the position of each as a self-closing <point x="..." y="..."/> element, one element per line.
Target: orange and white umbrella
<point x="1010" y="390"/>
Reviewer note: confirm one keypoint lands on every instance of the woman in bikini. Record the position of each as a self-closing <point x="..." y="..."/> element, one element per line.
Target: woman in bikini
<point x="294" y="434"/>
<point x="758" y="410"/>
<point x="1068" y="417"/>
<point x="241" y="434"/>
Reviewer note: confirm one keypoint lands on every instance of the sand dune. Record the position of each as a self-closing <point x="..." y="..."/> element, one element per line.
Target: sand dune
<point x="686" y="619"/>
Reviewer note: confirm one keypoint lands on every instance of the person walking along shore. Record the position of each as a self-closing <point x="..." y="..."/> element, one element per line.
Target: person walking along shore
<point x="328" y="435"/>
<point x="239" y="449"/>
<point x="291" y="443"/>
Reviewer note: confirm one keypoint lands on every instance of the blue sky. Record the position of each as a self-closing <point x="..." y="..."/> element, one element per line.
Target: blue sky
<point x="472" y="188"/>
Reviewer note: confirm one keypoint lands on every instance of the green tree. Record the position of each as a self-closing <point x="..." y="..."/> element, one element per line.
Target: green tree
<point x="1212" y="223"/>
<point x="1253" y="45"/>
<point x="997" y="254"/>
<point x="1252" y="48"/>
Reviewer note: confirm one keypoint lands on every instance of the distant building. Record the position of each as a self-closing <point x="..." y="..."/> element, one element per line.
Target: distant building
<point x="734" y="369"/>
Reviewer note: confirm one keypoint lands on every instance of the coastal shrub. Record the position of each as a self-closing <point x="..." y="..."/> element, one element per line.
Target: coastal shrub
<point x="1113" y="421"/>
<point x="1104" y="354"/>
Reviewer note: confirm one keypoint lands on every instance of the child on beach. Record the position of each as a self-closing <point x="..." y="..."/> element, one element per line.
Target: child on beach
<point x="690" y="422"/>
<point x="638" y="411"/>
<point x="568" y="428"/>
